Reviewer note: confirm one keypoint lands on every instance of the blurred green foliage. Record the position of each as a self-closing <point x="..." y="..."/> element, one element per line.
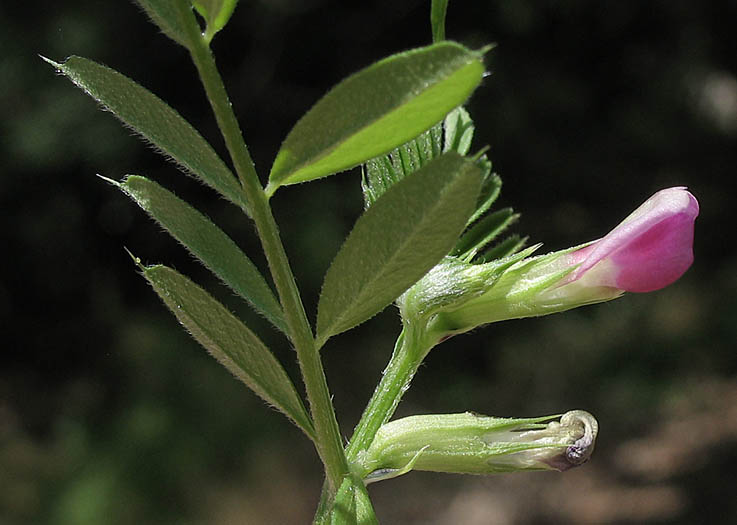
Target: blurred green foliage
<point x="109" y="413"/>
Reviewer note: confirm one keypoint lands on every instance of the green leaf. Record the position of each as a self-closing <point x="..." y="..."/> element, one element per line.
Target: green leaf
<point x="207" y="242"/>
<point x="505" y="248"/>
<point x="454" y="134"/>
<point x="375" y="110"/>
<point x="490" y="189"/>
<point x="173" y="17"/>
<point x="216" y="14"/>
<point x="153" y="119"/>
<point x="482" y="233"/>
<point x="229" y="341"/>
<point x="396" y="241"/>
<point x="379" y="174"/>
<point x="459" y="130"/>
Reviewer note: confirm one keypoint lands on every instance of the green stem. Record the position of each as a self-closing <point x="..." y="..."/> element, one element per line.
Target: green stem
<point x="328" y="444"/>
<point x="437" y="19"/>
<point x="365" y="514"/>
<point x="411" y="347"/>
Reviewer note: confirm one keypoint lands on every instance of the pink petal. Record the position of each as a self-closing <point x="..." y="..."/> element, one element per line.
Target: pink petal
<point x="647" y="251"/>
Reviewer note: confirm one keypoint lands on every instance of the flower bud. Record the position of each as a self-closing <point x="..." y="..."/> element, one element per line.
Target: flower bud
<point x="647" y="251"/>
<point x="473" y="444"/>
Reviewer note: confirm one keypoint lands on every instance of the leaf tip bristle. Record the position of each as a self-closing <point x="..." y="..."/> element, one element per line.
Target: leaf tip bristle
<point x="136" y="260"/>
<point x="108" y="180"/>
<point x="56" y="65"/>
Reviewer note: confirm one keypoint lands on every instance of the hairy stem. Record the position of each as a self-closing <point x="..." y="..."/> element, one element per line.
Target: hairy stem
<point x="438" y="9"/>
<point x="411" y="347"/>
<point x="328" y="443"/>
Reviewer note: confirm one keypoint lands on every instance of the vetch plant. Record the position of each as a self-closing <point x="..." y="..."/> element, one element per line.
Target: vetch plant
<point x="427" y="241"/>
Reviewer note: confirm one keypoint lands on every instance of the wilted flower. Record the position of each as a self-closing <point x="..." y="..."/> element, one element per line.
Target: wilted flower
<point x="647" y="251"/>
<point x="473" y="444"/>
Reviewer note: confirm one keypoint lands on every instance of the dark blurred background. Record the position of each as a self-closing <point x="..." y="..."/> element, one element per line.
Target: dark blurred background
<point x="110" y="413"/>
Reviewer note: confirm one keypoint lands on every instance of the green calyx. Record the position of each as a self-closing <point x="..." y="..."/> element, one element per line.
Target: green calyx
<point x="474" y="444"/>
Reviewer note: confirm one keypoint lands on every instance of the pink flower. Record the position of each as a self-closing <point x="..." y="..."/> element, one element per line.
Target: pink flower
<point x="647" y="251"/>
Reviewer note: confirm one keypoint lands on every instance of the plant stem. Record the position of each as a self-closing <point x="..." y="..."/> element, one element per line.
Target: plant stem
<point x="437" y="19"/>
<point x="328" y="443"/>
<point x="411" y="347"/>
